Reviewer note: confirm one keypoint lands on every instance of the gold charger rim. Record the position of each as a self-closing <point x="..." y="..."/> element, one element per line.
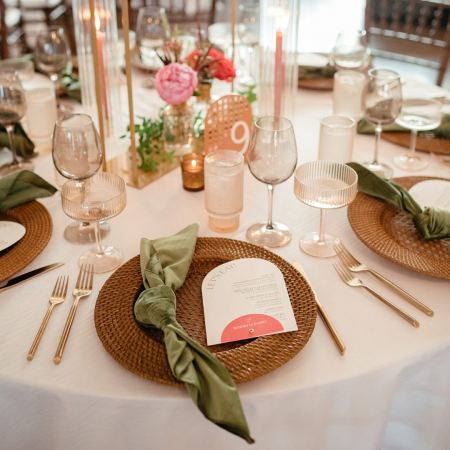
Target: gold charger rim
<point x="365" y="216"/>
<point x="127" y="342"/>
<point x="39" y="227"/>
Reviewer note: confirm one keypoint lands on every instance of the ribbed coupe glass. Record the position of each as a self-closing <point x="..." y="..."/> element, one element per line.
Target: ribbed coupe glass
<point x="324" y="185"/>
<point x="100" y="197"/>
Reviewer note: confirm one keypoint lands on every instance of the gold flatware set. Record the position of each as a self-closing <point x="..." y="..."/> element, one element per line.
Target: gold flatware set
<point x="82" y="289"/>
<point x="349" y="265"/>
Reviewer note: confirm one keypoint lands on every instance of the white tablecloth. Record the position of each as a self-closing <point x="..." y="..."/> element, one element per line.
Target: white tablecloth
<point x="391" y="390"/>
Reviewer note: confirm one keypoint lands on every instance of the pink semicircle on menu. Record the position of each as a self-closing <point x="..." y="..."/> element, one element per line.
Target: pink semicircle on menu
<point x="250" y="326"/>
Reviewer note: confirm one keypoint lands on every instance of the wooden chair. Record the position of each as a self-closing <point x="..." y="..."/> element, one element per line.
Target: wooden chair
<point x="415" y="31"/>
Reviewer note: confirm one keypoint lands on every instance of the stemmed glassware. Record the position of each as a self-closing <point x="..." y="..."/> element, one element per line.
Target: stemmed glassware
<point x="151" y="33"/>
<point x="324" y="185"/>
<point x="381" y="104"/>
<point x="272" y="157"/>
<point x="351" y="50"/>
<point x="52" y="52"/>
<point x="100" y="197"/>
<point x="248" y="30"/>
<point x="12" y="109"/>
<point x="417" y="114"/>
<point x="77" y="155"/>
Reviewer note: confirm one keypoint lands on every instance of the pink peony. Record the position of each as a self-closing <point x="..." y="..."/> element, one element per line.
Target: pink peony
<point x="176" y="83"/>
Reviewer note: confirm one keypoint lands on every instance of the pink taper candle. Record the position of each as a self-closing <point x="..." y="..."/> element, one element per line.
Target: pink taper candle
<point x="279" y="72"/>
<point x="101" y="65"/>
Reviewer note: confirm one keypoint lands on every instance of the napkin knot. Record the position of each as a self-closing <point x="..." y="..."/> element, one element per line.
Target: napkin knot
<point x="433" y="223"/>
<point x="156" y="306"/>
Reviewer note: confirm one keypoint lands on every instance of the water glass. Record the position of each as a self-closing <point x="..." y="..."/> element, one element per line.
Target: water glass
<point x="224" y="189"/>
<point x="324" y="185"/>
<point x="418" y="114"/>
<point x="12" y="109"/>
<point x="351" y="50"/>
<point x="41" y="114"/>
<point x="336" y="138"/>
<point x="347" y="91"/>
<point x="271" y="157"/>
<point x="381" y="103"/>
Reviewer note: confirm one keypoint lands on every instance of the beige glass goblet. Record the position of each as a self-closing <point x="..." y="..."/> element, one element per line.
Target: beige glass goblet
<point x="324" y="185"/>
<point x="98" y="198"/>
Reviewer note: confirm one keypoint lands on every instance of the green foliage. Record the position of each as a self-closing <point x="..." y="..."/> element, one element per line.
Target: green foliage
<point x="250" y="94"/>
<point x="150" y="143"/>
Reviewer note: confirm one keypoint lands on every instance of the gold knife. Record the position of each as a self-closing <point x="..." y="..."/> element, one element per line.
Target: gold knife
<point x="322" y="312"/>
<point x="28" y="276"/>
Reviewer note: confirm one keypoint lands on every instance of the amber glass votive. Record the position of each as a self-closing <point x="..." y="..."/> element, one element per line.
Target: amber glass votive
<point x="193" y="171"/>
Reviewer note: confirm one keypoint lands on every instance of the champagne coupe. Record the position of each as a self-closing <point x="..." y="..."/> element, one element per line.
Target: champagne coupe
<point x="77" y="155"/>
<point x="151" y="34"/>
<point x="12" y="109"/>
<point x="351" y="50"/>
<point x="100" y="197"/>
<point x="272" y="157"/>
<point x="248" y="30"/>
<point x="381" y="104"/>
<point x="417" y="115"/>
<point x="324" y="185"/>
<point x="52" y="52"/>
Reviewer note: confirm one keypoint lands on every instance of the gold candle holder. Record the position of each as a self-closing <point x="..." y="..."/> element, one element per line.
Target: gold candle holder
<point x="193" y="171"/>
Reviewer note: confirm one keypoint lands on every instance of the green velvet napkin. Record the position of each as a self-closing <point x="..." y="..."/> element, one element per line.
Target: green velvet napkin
<point x="24" y="146"/>
<point x="71" y="85"/>
<point x="314" y="72"/>
<point x="442" y="132"/>
<point x="164" y="265"/>
<point x="22" y="187"/>
<point x="431" y="223"/>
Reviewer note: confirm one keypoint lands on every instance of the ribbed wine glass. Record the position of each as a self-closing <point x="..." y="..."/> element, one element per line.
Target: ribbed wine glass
<point x="381" y="103"/>
<point x="100" y="197"/>
<point x="77" y="155"/>
<point x="272" y="157"/>
<point x="418" y="114"/>
<point x="324" y="185"/>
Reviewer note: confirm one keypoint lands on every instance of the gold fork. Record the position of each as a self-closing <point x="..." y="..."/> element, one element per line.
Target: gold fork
<point x="58" y="295"/>
<point x="349" y="279"/>
<point x="83" y="288"/>
<point x="354" y="265"/>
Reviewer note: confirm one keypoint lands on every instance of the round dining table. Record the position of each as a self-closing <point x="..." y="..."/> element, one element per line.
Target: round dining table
<point x="390" y="390"/>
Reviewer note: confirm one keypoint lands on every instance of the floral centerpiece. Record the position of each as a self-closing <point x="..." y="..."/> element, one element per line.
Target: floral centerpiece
<point x="210" y="63"/>
<point x="176" y="83"/>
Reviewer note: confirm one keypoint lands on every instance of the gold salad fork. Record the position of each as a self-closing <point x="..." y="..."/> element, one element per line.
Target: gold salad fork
<point x="58" y="295"/>
<point x="349" y="261"/>
<point x="349" y="279"/>
<point x="83" y="288"/>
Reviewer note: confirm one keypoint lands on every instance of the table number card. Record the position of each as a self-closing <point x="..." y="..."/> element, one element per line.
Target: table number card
<point x="228" y="124"/>
<point x="246" y="298"/>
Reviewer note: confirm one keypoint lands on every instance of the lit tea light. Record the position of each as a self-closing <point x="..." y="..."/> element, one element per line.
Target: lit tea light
<point x="192" y="171"/>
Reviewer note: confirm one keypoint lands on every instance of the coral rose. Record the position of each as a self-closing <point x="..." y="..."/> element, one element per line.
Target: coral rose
<point x="176" y="83"/>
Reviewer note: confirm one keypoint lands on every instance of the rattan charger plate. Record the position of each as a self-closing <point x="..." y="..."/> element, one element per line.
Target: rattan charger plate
<point x="429" y="145"/>
<point x="391" y="234"/>
<point x="316" y="84"/>
<point x="38" y="223"/>
<point x="143" y="352"/>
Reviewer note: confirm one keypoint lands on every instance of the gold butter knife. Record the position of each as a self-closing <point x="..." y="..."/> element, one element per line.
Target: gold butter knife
<point x="322" y="312"/>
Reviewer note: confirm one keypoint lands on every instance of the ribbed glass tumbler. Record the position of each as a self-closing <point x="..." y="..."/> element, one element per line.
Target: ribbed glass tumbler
<point x="324" y="185"/>
<point x="224" y="189"/>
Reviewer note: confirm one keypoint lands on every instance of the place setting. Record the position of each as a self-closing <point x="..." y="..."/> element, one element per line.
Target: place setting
<point x="175" y="265"/>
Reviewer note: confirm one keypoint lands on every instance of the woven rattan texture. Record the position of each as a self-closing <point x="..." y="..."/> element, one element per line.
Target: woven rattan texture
<point x="143" y="352"/>
<point x="221" y="117"/>
<point x="316" y="84"/>
<point x="440" y="146"/>
<point x="392" y="235"/>
<point x="38" y="223"/>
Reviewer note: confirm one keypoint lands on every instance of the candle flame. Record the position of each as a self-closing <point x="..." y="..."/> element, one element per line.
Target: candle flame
<point x="97" y="22"/>
<point x="281" y="17"/>
<point x="193" y="163"/>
